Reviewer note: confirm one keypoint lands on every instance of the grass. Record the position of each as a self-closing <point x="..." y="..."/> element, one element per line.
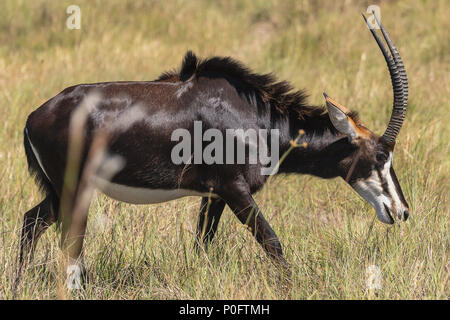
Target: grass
<point x="330" y="236"/>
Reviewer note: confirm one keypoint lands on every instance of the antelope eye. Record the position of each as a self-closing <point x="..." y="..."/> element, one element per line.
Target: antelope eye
<point x="381" y="157"/>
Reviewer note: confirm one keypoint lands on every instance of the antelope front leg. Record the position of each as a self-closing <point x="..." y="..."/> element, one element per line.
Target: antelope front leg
<point x="244" y="207"/>
<point x="210" y="212"/>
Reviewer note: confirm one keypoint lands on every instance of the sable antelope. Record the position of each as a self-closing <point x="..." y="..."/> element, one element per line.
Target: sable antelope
<point x="221" y="93"/>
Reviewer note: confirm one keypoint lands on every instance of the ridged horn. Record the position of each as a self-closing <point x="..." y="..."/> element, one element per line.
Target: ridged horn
<point x="399" y="82"/>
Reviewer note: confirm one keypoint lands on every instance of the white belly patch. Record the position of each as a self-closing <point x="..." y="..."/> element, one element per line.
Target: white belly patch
<point x="136" y="195"/>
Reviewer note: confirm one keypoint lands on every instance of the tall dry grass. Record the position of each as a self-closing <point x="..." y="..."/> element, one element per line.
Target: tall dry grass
<point x="330" y="236"/>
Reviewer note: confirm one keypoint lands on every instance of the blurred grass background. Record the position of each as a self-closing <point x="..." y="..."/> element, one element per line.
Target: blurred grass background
<point x="330" y="236"/>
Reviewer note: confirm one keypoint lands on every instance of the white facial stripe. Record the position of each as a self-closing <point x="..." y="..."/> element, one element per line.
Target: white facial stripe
<point x="371" y="189"/>
<point x="386" y="174"/>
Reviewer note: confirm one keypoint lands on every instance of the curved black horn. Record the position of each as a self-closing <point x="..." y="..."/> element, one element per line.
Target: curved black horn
<point x="399" y="82"/>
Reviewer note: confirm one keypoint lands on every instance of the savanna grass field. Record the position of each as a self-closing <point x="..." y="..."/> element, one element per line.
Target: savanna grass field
<point x="336" y="247"/>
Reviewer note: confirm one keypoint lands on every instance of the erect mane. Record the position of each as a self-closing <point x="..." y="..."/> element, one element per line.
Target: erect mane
<point x="265" y="88"/>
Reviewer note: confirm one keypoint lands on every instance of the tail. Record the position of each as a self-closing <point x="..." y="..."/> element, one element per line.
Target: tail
<point x="35" y="168"/>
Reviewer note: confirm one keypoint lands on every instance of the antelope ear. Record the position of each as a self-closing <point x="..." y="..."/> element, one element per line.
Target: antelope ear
<point x="339" y="117"/>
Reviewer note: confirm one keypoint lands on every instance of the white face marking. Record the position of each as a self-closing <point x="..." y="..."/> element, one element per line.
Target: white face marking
<point x="136" y="195"/>
<point x="386" y="174"/>
<point x="372" y="191"/>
